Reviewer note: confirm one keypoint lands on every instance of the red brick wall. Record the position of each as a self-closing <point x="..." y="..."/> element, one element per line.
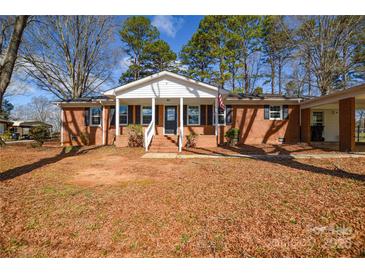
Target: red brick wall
<point x="254" y="129"/>
<point x="347" y="124"/>
<point x="74" y="125"/>
<point x="305" y="125"/>
<point x="249" y="119"/>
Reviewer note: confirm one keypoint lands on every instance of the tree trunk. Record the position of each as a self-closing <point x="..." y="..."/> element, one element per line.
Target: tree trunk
<point x="6" y="70"/>
<point x="245" y="75"/>
<point x="280" y="67"/>
<point x="272" y="76"/>
<point x="308" y="71"/>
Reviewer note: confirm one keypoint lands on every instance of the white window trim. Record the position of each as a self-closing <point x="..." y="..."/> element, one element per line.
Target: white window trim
<point x="225" y="117"/>
<point x="281" y="113"/>
<point x="142" y="114"/>
<point x="120" y="123"/>
<point x="91" y="117"/>
<point x="187" y="115"/>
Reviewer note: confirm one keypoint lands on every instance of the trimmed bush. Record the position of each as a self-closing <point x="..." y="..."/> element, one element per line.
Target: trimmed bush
<point x="191" y="140"/>
<point x="232" y="136"/>
<point x="39" y="134"/>
<point x="135" y="135"/>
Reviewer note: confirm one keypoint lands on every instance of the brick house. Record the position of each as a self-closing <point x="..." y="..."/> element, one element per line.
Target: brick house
<point x="170" y="107"/>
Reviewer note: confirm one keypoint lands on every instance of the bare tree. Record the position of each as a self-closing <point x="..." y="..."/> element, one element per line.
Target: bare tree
<point x="9" y="49"/>
<point x="70" y="56"/>
<point x="325" y="41"/>
<point x="41" y="109"/>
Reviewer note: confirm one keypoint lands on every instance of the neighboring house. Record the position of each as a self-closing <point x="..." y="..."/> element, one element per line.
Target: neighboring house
<point x="23" y="127"/>
<point x="4" y="124"/>
<point x="170" y="107"/>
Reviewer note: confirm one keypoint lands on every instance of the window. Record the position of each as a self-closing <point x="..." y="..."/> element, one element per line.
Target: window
<point x="146" y="115"/>
<point x="221" y="116"/>
<point x="95" y="116"/>
<point x="123" y="114"/>
<point x="317" y="119"/>
<point x="275" y="113"/>
<point x="193" y="115"/>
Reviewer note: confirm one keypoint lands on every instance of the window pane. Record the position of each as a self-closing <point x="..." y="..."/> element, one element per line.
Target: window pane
<point x="275" y="115"/>
<point x="123" y="119"/>
<point x="146" y="119"/>
<point x="95" y="116"/>
<point x="317" y="118"/>
<point x="193" y="115"/>
<point x="95" y="120"/>
<point x="275" y="112"/>
<point x="95" y="111"/>
<point x="146" y="115"/>
<point x="221" y="119"/>
<point x="193" y="120"/>
<point x="147" y="111"/>
<point x="123" y="110"/>
<point x="170" y="114"/>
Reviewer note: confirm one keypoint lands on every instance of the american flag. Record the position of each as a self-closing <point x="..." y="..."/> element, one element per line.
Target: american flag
<point x="220" y="101"/>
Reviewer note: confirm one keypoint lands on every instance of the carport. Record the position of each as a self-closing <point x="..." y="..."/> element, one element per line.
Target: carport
<point x="330" y="120"/>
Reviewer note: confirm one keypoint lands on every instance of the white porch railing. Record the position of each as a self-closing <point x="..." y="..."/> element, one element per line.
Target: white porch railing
<point x="148" y="134"/>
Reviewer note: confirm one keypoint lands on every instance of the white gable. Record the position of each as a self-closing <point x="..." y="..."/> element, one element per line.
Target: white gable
<point x="166" y="88"/>
<point x="165" y="85"/>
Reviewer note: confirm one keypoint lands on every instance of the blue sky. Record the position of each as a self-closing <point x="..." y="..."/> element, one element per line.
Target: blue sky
<point x="175" y="30"/>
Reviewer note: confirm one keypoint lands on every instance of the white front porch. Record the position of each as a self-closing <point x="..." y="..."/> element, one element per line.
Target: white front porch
<point x="174" y="117"/>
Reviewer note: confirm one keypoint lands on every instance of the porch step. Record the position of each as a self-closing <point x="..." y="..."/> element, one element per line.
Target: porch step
<point x="164" y="143"/>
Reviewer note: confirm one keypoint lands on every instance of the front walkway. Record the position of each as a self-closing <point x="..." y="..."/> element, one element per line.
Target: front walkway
<point x="285" y="151"/>
<point x="162" y="155"/>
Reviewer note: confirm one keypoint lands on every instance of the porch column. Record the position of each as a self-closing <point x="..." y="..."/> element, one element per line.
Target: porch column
<point x="117" y="127"/>
<point x="181" y="123"/>
<point x="153" y="114"/>
<point x="216" y="116"/>
<point x="347" y="124"/>
<point x="305" y="129"/>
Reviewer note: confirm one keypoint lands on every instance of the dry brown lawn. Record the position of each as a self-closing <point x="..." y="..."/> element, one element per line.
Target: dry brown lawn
<point x="108" y="202"/>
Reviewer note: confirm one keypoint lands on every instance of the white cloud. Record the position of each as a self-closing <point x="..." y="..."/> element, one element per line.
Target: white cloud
<point x="168" y="24"/>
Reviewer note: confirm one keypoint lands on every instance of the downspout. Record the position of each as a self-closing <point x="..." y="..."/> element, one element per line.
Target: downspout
<point x="103" y="124"/>
<point x="62" y="124"/>
<point x="300" y="121"/>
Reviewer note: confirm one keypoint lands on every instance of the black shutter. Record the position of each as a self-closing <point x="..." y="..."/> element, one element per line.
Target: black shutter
<point x="112" y="116"/>
<point x="130" y="114"/>
<point x="87" y="116"/>
<point x="203" y="118"/>
<point x="138" y="115"/>
<point x="210" y="115"/>
<point x="229" y="114"/>
<point x="285" y="112"/>
<point x="266" y="112"/>
<point x="157" y="116"/>
<point x="185" y="110"/>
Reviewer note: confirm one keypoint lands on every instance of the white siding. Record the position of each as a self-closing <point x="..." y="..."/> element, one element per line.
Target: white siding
<point x="167" y="87"/>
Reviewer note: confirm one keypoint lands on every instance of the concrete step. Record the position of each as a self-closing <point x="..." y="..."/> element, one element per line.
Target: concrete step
<point x="163" y="149"/>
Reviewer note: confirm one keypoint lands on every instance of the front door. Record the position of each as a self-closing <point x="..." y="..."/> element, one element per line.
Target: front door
<point x="170" y="119"/>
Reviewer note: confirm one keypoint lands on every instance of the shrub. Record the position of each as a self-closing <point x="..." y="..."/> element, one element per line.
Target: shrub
<point x="6" y="136"/>
<point x="85" y="138"/>
<point x="135" y="136"/>
<point x="232" y="136"/>
<point x="39" y="134"/>
<point x="191" y="140"/>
